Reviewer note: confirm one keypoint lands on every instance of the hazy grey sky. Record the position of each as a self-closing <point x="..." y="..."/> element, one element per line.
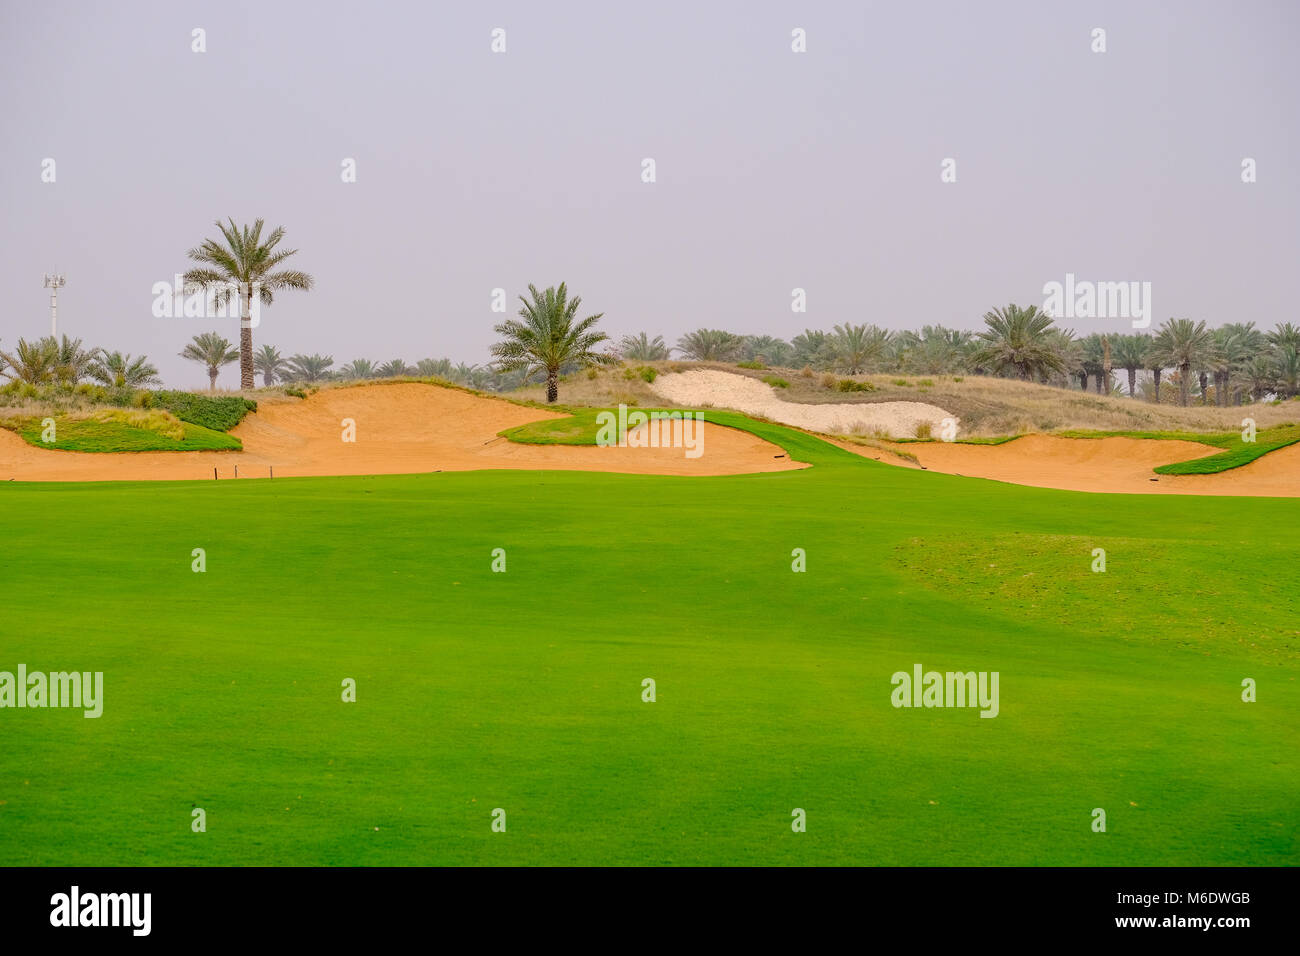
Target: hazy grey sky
<point x="775" y="170"/>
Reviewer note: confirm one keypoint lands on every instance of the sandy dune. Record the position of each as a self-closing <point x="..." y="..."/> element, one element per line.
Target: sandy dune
<point x="702" y="387"/>
<point x="1101" y="464"/>
<point x="400" y="429"/>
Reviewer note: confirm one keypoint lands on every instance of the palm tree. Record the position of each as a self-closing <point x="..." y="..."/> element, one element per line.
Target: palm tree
<point x="766" y="349"/>
<point x="121" y="371"/>
<point x="1018" y="339"/>
<point x="550" y="336"/>
<point x="270" y="363"/>
<point x="1154" y="362"/>
<point x="1183" y="344"/>
<point x="1261" y="374"/>
<point x="811" y="347"/>
<point x="309" y="368"/>
<point x="434" y="368"/>
<point x="1069" y="349"/>
<point x="711" y="345"/>
<point x="642" y="348"/>
<point x="393" y="369"/>
<point x="1129" y="353"/>
<point x="1286" y="372"/>
<point x="71" y="362"/>
<point x="857" y="347"/>
<point x="1094" y="355"/>
<point x="474" y="375"/>
<point x="359" y="368"/>
<point x="211" y="350"/>
<point x="248" y="264"/>
<point x="936" y="350"/>
<point x="32" y="362"/>
<point x="1284" y="335"/>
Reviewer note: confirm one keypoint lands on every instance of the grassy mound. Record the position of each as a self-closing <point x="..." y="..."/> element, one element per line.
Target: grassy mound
<point x="120" y="430"/>
<point x="1235" y="451"/>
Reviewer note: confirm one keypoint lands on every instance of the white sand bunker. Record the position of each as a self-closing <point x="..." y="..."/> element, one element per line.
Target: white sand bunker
<point x="726" y="390"/>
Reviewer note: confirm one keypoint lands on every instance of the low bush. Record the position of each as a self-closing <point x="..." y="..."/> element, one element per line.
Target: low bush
<point x="853" y="385"/>
<point x="218" y="412"/>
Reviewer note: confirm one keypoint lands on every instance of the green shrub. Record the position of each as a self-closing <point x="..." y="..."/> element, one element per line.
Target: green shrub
<point x="852" y="385"/>
<point x="776" y="382"/>
<point x="648" y="374"/>
<point x="754" y="365"/>
<point x="902" y="382"/>
<point x="218" y="412"/>
<point x="295" y="392"/>
<point x="923" y="431"/>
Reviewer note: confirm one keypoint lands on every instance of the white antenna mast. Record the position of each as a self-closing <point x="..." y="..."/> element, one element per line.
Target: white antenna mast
<point x="54" y="282"/>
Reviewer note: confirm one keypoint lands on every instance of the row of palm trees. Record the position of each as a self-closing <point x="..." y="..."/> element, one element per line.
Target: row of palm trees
<point x="1234" y="363"/>
<point x="214" y="352"/>
<point x="51" y="361"/>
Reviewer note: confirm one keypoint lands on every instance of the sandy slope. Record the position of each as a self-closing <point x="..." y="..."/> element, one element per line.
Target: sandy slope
<point x="702" y="387"/>
<point x="400" y="429"/>
<point x="1101" y="464"/>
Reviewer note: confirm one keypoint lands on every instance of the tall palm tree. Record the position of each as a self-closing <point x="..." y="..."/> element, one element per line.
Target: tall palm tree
<point x="270" y="363"/>
<point x="32" y="362"/>
<point x="1184" y="344"/>
<point x="711" y="345"/>
<point x="309" y="368"/>
<point x="121" y="371"/>
<point x="859" y="347"/>
<point x="642" y="348"/>
<point x="248" y="263"/>
<point x="1154" y="362"/>
<point x="1129" y="353"/>
<point x="213" y="351"/>
<point x="550" y="336"/>
<point x="393" y="369"/>
<point x="1018" y="340"/>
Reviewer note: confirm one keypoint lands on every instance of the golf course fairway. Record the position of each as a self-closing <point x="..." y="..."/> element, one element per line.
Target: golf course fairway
<point x="478" y="690"/>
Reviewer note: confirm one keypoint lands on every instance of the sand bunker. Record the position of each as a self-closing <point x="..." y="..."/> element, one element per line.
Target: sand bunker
<point x="726" y="390"/>
<point x="400" y="429"/>
<point x="1101" y="464"/>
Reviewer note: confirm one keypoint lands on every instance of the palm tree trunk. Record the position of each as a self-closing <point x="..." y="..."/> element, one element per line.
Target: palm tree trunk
<point x="212" y="378"/>
<point x="552" y="385"/>
<point x="1083" y="381"/>
<point x="1156" y="395"/>
<point x="1184" y="385"/>
<point x="246" y="354"/>
<point x="1205" y="391"/>
<point x="1132" y="383"/>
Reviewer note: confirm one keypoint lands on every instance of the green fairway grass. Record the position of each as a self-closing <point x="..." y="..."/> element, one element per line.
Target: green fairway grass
<point x="522" y="690"/>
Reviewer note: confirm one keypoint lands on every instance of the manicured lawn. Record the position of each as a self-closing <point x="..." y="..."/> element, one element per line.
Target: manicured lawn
<point x="522" y="690"/>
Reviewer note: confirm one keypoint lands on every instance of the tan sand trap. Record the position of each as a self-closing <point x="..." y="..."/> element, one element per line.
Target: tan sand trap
<point x="706" y="387"/>
<point x="400" y="429"/>
<point x="1101" y="464"/>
